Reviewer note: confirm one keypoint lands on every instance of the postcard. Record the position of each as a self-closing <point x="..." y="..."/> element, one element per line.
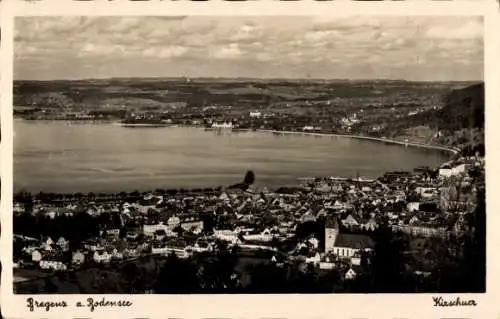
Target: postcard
<point x="249" y="160"/>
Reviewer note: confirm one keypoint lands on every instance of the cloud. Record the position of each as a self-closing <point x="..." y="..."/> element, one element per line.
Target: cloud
<point x="165" y="52"/>
<point x="326" y="46"/>
<point x="230" y="51"/>
<point x="460" y="31"/>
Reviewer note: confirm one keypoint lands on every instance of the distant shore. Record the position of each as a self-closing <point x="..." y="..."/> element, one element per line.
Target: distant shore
<point x="361" y="137"/>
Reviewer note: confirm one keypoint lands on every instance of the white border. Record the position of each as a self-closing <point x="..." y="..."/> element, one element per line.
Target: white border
<point x="258" y="306"/>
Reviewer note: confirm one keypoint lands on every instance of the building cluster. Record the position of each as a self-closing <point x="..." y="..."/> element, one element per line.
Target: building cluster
<point x="416" y="203"/>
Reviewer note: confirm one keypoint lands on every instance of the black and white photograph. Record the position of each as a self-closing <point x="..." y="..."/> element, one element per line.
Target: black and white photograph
<point x="211" y="154"/>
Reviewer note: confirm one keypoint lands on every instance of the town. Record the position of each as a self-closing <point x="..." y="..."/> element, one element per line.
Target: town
<point x="415" y="112"/>
<point x="341" y="228"/>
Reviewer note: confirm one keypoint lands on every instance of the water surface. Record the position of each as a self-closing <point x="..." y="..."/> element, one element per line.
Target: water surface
<point x="67" y="157"/>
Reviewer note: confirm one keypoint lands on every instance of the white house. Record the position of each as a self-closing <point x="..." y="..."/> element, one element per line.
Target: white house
<point x="200" y="246"/>
<point x="113" y="232"/>
<point x="116" y="254"/>
<point x="255" y="114"/>
<point x="47" y="245"/>
<point x="225" y="234"/>
<point x="78" y="258"/>
<point x="36" y="256"/>
<point x="349" y="245"/>
<point x="445" y="171"/>
<point x="264" y="236"/>
<point x="150" y="230"/>
<point x="350" y="221"/>
<point x="350" y="274"/>
<point x="130" y="252"/>
<point x="173" y="222"/>
<point x="371" y="224"/>
<point x="314" y="242"/>
<point x="102" y="257"/>
<point x="51" y="264"/>
<point x="18" y="208"/>
<point x="196" y="226"/>
<point x="63" y="244"/>
<point x="224" y="197"/>
<point x="413" y="206"/>
<point x="326" y="265"/>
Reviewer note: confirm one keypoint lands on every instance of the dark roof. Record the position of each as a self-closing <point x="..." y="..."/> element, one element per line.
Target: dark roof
<point x="356" y="241"/>
<point x="332" y="222"/>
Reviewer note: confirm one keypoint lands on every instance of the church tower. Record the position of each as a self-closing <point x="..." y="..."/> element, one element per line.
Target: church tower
<point x="331" y="232"/>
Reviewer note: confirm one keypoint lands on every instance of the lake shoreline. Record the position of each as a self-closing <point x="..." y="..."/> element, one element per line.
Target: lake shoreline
<point x="277" y="175"/>
<point x="361" y="137"/>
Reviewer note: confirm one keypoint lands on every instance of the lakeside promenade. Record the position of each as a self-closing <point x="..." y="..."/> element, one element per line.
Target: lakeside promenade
<point x="361" y="137"/>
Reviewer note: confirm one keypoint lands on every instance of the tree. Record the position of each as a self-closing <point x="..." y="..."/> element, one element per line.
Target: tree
<point x="474" y="259"/>
<point x="176" y="276"/>
<point x="388" y="266"/>
<point x="249" y="178"/>
<point x="267" y="278"/>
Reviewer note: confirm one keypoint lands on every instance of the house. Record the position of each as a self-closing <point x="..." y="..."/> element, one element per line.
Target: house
<point x="264" y="236"/>
<point x="144" y="206"/>
<point x="307" y="217"/>
<point x="326" y="265"/>
<point x="178" y="247"/>
<point x="201" y="246"/>
<point x="133" y="234"/>
<point x="460" y="169"/>
<point x="155" y="250"/>
<point x="150" y="230"/>
<point x="78" y="258"/>
<point x="52" y="264"/>
<point x="349" y="245"/>
<point x="225" y="234"/>
<point x="63" y="244"/>
<point x="371" y="224"/>
<point x="255" y="114"/>
<point x="36" y="256"/>
<point x="224" y="197"/>
<point x="93" y="211"/>
<point x="314" y="242"/>
<point x="414" y="220"/>
<point x="131" y="252"/>
<point x="48" y="244"/>
<point x="350" y="274"/>
<point x="18" y="208"/>
<point x="196" y="226"/>
<point x="173" y="222"/>
<point x="350" y="221"/>
<point x="445" y="172"/>
<point x="102" y="257"/>
<point x="115" y="232"/>
<point x="413" y="206"/>
<point x="344" y="245"/>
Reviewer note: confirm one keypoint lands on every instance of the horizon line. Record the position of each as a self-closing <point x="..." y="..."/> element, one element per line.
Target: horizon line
<point x="242" y="78"/>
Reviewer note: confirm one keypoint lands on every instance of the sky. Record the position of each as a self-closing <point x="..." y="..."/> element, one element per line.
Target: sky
<point x="420" y="48"/>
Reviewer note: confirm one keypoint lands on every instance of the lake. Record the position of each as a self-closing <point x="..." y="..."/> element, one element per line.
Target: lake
<point x="66" y="157"/>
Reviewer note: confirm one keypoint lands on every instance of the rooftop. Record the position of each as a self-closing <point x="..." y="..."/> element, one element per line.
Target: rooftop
<point x="356" y="241"/>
